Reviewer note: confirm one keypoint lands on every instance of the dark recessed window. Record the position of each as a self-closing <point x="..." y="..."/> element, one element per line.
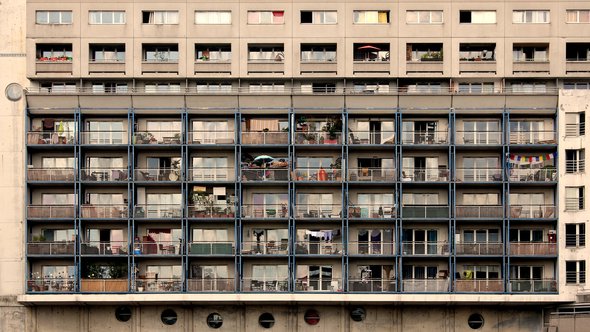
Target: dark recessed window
<point x="214" y="320"/>
<point x="358" y="314"/>
<point x="169" y="317"/>
<point x="123" y="314"/>
<point x="311" y="317"/>
<point x="266" y="320"/>
<point x="475" y="321"/>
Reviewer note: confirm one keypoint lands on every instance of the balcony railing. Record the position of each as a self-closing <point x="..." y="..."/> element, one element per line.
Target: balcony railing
<point x="318" y="174"/>
<point x="104" y="285"/>
<point x="477" y="249"/>
<point x="212" y="211"/>
<point x="211" y="285"/>
<point x="50" y="174"/>
<point x="367" y="174"/>
<point x="533" y="286"/>
<point x="212" y="137"/>
<point x="575" y="129"/>
<point x="265" y="138"/>
<point x="575" y="240"/>
<point x="533" y="248"/>
<point x="371" y="248"/>
<point x="158" y="211"/>
<point x="479" y="211"/>
<point x="371" y="137"/>
<point x="157" y="137"/>
<point x="159" y="285"/>
<point x="575" y="166"/>
<point x="317" y="137"/>
<point x="425" y="248"/>
<point x="318" y="248"/>
<point x="158" y="174"/>
<point x="266" y="285"/>
<point x="51" y="285"/>
<point x="316" y="211"/>
<point x="479" y="286"/>
<point x="574" y="203"/>
<point x="161" y="248"/>
<point x="265" y="174"/>
<point x="211" y="248"/>
<point x="104" y="248"/>
<point x="533" y="137"/>
<point x="104" y="174"/>
<point x="439" y="174"/>
<point x="478" y="174"/>
<point x="533" y="175"/>
<point x="533" y="211"/>
<point x="479" y="137"/>
<point x="104" y="211"/>
<point x="104" y="137"/>
<point x="425" y="211"/>
<point x="264" y="211"/>
<point x="51" y="138"/>
<point x="50" y="248"/>
<point x="369" y="285"/>
<point x="50" y="211"/>
<point x="371" y="211"/>
<point x="211" y="174"/>
<point x="316" y="285"/>
<point x="425" y="137"/>
<point x="265" y="248"/>
<point x="425" y="285"/>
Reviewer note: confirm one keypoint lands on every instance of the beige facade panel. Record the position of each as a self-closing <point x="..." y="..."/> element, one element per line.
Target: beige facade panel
<point x="211" y="101"/>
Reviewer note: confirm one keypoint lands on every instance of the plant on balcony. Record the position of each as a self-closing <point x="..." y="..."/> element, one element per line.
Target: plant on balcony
<point x="302" y="124"/>
<point x="333" y="127"/>
<point x="432" y="56"/>
<point x="203" y="204"/>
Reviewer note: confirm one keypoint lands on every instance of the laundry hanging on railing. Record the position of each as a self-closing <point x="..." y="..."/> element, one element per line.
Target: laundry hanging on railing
<point x="516" y="159"/>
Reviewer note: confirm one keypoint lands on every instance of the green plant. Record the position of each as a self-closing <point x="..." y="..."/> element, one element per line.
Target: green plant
<point x="333" y="127"/>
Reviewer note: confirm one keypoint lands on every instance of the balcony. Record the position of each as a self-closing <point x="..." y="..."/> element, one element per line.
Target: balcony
<point x="158" y="211"/>
<point x="104" y="285"/>
<point x="530" y="66"/>
<point x="434" y="66"/>
<point x="102" y="248"/>
<point x="154" y="67"/>
<point x="533" y="175"/>
<point x="211" y="248"/>
<point x="316" y="285"/>
<point x="371" y="248"/>
<point x="479" y="249"/>
<point x="212" y="137"/>
<point x="318" y="211"/>
<point x="62" y="65"/>
<point x="104" y="174"/>
<point x="106" y="66"/>
<point x="479" y="211"/>
<point x="50" y="211"/>
<point x="371" y="285"/>
<point x="157" y="137"/>
<point x="216" y="174"/>
<point x="533" y="211"/>
<point x="371" y="211"/>
<point x="533" y="249"/>
<point x="477" y="66"/>
<point x="425" y="285"/>
<point x="318" y="67"/>
<point x="423" y="248"/>
<point x="266" y="66"/>
<point x="160" y="248"/>
<point x="370" y="67"/>
<point x="540" y="137"/>
<point x="318" y="175"/>
<point x="265" y="248"/>
<point x="51" y="138"/>
<point x="425" y="137"/>
<point x="368" y="174"/>
<point x="318" y="248"/>
<point x="211" y="285"/>
<point x="318" y="138"/>
<point x="50" y="248"/>
<point x="440" y="174"/>
<point x="425" y="211"/>
<point x="104" y="137"/>
<point x="265" y="138"/>
<point x="212" y="67"/>
<point x="158" y="175"/>
<point x="478" y="137"/>
<point x="50" y="174"/>
<point x="51" y="285"/>
<point x="371" y="137"/>
<point x="265" y="211"/>
<point x="533" y="286"/>
<point x="251" y="174"/>
<point x="267" y="285"/>
<point x="104" y="211"/>
<point x="478" y="174"/>
<point x="479" y="286"/>
<point x="212" y="211"/>
<point x="159" y="285"/>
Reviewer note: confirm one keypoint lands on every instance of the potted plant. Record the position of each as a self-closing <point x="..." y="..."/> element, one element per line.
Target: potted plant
<point x="302" y="124"/>
<point x="333" y="127"/>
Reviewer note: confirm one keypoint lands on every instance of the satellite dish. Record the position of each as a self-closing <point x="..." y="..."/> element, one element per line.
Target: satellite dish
<point x="14" y="92"/>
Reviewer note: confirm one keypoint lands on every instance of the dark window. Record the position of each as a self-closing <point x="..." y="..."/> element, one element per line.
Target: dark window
<point x="475" y="321"/>
<point x="169" y="317"/>
<point x="465" y="16"/>
<point x="266" y="320"/>
<point x="311" y="317"/>
<point x="123" y="314"/>
<point x="575" y="235"/>
<point x="358" y="314"/>
<point x="306" y="17"/>
<point x="575" y="272"/>
<point x="214" y="320"/>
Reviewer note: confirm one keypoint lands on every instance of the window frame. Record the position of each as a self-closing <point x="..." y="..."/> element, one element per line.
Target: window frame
<point x="578" y="276"/>
<point x="356" y="15"/>
<point x="478" y="11"/>
<point x="60" y="13"/>
<point x="103" y="12"/>
<point x="535" y="13"/>
<point x="164" y="16"/>
<point x="578" y="12"/>
<point x="262" y="20"/>
<point x="430" y="16"/>
<point x="220" y="14"/>
<point x="321" y="14"/>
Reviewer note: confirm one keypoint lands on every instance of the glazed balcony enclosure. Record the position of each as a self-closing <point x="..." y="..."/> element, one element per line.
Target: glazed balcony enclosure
<point x="50" y="174"/>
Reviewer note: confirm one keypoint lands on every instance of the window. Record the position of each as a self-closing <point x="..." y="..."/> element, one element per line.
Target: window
<point x="109" y="87"/>
<point x="58" y="87"/>
<point x="269" y="273"/>
<point x="213" y="87"/>
<point x="525" y="272"/>
<point x="530" y="16"/>
<point x="425" y="87"/>
<point x="318" y="88"/>
<point x="54" y="52"/>
<point x="475" y="321"/>
<point x="214" y="320"/>
<point x="574" y="161"/>
<point x="213" y="17"/>
<point x="266" y="17"/>
<point x="266" y="53"/>
<point x="576" y="85"/>
<point x="371" y="52"/>
<point x="371" y="87"/>
<point x="424" y="52"/>
<point x="370" y="17"/>
<point x="315" y="204"/>
<point x="574" y="198"/>
<point x="530" y="53"/>
<point x="317" y="277"/>
<point x="477" y="52"/>
<point x="526" y="235"/>
<point x="105" y="132"/>
<point x="104" y="199"/>
<point x="266" y="320"/>
<point x="58" y="271"/>
<point x="575" y="272"/>
<point x="578" y="16"/>
<point x="575" y="124"/>
<point x="481" y="272"/>
<point x="528" y="87"/>
<point x="477" y="16"/>
<point x="213" y="52"/>
<point x="577" y="52"/>
<point x="160" y="17"/>
<point x="481" y="132"/>
<point x="160" y="53"/>
<point x="169" y="317"/>
<point x="419" y="272"/>
<point x="53" y="17"/>
<point x="266" y="87"/>
<point x="210" y="235"/>
<point x="162" y="87"/>
<point x="481" y="236"/>
<point x="424" y="17"/>
<point x="481" y="199"/>
<point x="58" y="235"/>
<point x="319" y="53"/>
<point x="476" y="87"/>
<point x="107" y="53"/>
<point x="107" y="17"/>
<point x="57" y="199"/>
<point x="575" y="235"/>
<point x="318" y="17"/>
<point x="57" y="162"/>
<point x="420" y="199"/>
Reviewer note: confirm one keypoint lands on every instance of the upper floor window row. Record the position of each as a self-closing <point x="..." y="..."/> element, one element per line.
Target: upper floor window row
<point x="107" y="17"/>
<point x="213" y="17"/>
<point x="370" y="16"/>
<point x="530" y="16"/>
<point x="319" y="17"/>
<point x="424" y="17"/>
<point x="266" y="17"/>
<point x="578" y="16"/>
<point x="160" y="17"/>
<point x="53" y="17"/>
<point x="477" y="16"/>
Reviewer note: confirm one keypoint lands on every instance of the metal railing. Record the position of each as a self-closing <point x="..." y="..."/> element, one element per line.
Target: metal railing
<point x="371" y="211"/>
<point x="211" y="285"/>
<point x="212" y="137"/>
<point x="371" y="137"/>
<point x="371" y="248"/>
<point x="104" y="137"/>
<point x="104" y="248"/>
<point x="483" y="248"/>
<point x="425" y="211"/>
<point x="370" y="174"/>
<point x="370" y="285"/>
<point x="575" y="240"/>
<point x="211" y="174"/>
<point x="425" y="137"/>
<point x="264" y="211"/>
<point x="265" y="247"/>
<point x="318" y="248"/>
<point x="157" y="137"/>
<point x="439" y="174"/>
<point x="51" y="137"/>
<point x="533" y="248"/>
<point x="318" y="174"/>
<point x="575" y="129"/>
<point x="158" y="174"/>
<point x="51" y="211"/>
<point x="479" y="137"/>
<point x="158" y="285"/>
<point x="50" y="174"/>
<point x="211" y="248"/>
<point x="104" y="174"/>
<point x="51" y="285"/>
<point x="575" y="166"/>
<point x="533" y="137"/>
<point x="317" y="211"/>
<point x="265" y="138"/>
<point x="104" y="285"/>
<point x="533" y="175"/>
<point x="427" y="248"/>
<point x="265" y="174"/>
<point x="161" y="248"/>
<point x="479" y="211"/>
<point x="157" y="211"/>
<point x="316" y="285"/>
<point x="478" y="174"/>
<point x="265" y="285"/>
<point x="479" y="285"/>
<point x="104" y="211"/>
<point x="574" y="203"/>
<point x="212" y="211"/>
<point x="532" y="286"/>
<point x="425" y="285"/>
<point x="51" y="248"/>
<point x="536" y="211"/>
<point x="317" y="137"/>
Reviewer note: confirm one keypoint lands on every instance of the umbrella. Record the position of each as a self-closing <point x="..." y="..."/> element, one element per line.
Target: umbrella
<point x="263" y="159"/>
<point x="369" y="47"/>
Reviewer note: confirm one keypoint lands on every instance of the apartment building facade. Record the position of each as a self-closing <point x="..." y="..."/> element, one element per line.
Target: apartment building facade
<point x="303" y="166"/>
